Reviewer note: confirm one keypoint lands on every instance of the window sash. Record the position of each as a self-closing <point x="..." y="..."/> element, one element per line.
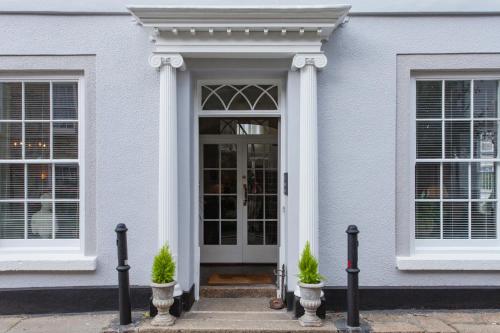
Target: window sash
<point x="443" y="119"/>
<point x="69" y="244"/>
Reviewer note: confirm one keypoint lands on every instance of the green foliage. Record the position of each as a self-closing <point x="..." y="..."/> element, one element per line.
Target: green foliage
<point x="308" y="267"/>
<point x="163" y="266"/>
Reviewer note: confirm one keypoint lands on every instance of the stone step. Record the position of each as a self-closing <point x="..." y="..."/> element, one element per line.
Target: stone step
<point x="257" y="290"/>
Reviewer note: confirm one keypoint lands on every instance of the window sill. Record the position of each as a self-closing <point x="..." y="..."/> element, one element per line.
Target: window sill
<point x="46" y="262"/>
<point x="449" y="262"/>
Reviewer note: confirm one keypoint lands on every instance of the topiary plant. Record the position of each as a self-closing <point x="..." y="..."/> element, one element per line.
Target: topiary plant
<point x="308" y="267"/>
<point x="163" y="266"/>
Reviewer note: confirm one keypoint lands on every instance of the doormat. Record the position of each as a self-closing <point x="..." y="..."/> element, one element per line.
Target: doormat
<point x="217" y="279"/>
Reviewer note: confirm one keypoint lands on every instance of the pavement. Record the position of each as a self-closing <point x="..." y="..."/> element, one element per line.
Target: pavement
<point x="213" y="320"/>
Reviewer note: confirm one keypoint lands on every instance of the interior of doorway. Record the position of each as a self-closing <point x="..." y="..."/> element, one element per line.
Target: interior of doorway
<point x="239" y="174"/>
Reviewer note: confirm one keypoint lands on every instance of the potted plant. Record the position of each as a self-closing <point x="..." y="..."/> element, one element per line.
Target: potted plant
<point x="310" y="283"/>
<point x="163" y="283"/>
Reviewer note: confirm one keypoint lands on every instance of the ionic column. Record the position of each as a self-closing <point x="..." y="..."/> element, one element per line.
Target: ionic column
<point x="168" y="215"/>
<point x="308" y="148"/>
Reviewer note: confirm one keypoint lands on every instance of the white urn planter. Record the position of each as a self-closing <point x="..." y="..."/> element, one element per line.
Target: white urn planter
<point x="163" y="298"/>
<point x="310" y="299"/>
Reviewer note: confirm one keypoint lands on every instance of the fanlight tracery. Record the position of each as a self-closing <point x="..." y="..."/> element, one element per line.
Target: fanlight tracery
<point x="229" y="97"/>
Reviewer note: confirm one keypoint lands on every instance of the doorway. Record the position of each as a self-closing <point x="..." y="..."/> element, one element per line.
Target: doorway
<point x="239" y="197"/>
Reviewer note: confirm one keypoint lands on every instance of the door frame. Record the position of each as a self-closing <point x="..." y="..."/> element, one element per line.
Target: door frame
<point x="282" y="162"/>
<point x="246" y="250"/>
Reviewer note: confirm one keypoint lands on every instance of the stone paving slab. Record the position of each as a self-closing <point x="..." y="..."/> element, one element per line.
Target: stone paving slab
<point x="7" y="322"/>
<point x="477" y="328"/>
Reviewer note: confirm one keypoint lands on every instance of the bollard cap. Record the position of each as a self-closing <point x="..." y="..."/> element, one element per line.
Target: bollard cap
<point x="121" y="227"/>
<point x="352" y="229"/>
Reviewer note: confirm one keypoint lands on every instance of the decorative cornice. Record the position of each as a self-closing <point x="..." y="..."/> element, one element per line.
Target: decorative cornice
<point x="174" y="60"/>
<point x="317" y="60"/>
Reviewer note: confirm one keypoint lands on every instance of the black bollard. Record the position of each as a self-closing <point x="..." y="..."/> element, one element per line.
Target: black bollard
<point x="123" y="281"/>
<point x="352" y="277"/>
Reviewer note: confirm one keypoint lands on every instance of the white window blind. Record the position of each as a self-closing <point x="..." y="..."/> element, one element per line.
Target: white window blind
<point x="456" y="159"/>
<point x="39" y="161"/>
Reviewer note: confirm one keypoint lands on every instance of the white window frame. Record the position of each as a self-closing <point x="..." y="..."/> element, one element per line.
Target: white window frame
<point x="451" y="246"/>
<point x="20" y="247"/>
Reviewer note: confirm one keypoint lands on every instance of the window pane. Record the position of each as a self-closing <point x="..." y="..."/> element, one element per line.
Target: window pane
<point x="242" y="126"/>
<point x="427" y="181"/>
<point x="211" y="207"/>
<point x="484" y="221"/>
<point x="11" y="141"/>
<point x="271" y="232"/>
<point x="40" y="181"/>
<point x="429" y="99"/>
<point x="11" y="220"/>
<point x="255" y="207"/>
<point x="211" y="181"/>
<point x="67" y="181"/>
<point x="210" y="156"/>
<point x="255" y="181"/>
<point x="455" y="220"/>
<point x="427" y="217"/>
<point x="37" y="101"/>
<point x="486" y="98"/>
<point x="228" y="156"/>
<point x="457" y="139"/>
<point x="271" y="207"/>
<point x="228" y="181"/>
<point x="67" y="217"/>
<point x="65" y="100"/>
<point x="11" y="181"/>
<point x="228" y="207"/>
<point x="429" y="139"/>
<point x="255" y="235"/>
<point x="11" y="100"/>
<point x="455" y="180"/>
<point x="40" y="220"/>
<point x="483" y="176"/>
<point x="211" y="232"/>
<point x="271" y="181"/>
<point x="65" y="140"/>
<point x="228" y="232"/>
<point x="457" y="99"/>
<point x="485" y="139"/>
<point x="37" y="140"/>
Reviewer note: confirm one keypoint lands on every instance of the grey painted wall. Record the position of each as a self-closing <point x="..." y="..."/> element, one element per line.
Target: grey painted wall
<point x="357" y="129"/>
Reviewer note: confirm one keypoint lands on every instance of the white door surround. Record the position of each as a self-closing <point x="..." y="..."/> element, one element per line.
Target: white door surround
<point x="250" y="32"/>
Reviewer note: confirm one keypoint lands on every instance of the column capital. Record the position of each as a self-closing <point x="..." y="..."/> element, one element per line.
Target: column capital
<point x="175" y="60"/>
<point x="318" y="60"/>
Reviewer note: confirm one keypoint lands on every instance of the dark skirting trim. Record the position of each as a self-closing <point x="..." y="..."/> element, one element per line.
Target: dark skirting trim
<point x="68" y="299"/>
<point x="386" y="298"/>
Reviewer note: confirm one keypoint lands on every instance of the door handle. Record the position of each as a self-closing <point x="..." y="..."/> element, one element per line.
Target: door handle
<point x="245" y="194"/>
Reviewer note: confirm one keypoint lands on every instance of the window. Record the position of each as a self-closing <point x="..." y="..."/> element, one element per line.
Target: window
<point x="456" y="162"/>
<point x="249" y="97"/>
<point x="40" y="168"/>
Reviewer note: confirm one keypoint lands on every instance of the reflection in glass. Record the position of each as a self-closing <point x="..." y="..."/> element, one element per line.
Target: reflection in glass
<point x="455" y="180"/>
<point x="67" y="181"/>
<point x="211" y="181"/>
<point x="427" y="220"/>
<point x="483" y="220"/>
<point x="271" y="232"/>
<point x="483" y="178"/>
<point x="11" y="220"/>
<point x="65" y="138"/>
<point x="255" y="206"/>
<point x="228" y="232"/>
<point x="228" y="181"/>
<point x="11" y="141"/>
<point x="40" y="181"/>
<point x="11" y="181"/>
<point x="37" y="140"/>
<point x="429" y="139"/>
<point x="67" y="214"/>
<point x="37" y="100"/>
<point x="457" y="99"/>
<point x="211" y="232"/>
<point x="239" y="126"/>
<point x="429" y="97"/>
<point x="228" y="207"/>
<point x="255" y="235"/>
<point x="455" y="220"/>
<point x="486" y="98"/>
<point x="10" y="100"/>
<point x="211" y="207"/>
<point x="271" y="181"/>
<point x="228" y="156"/>
<point x="210" y="156"/>
<point x="427" y="181"/>
<point x="65" y="100"/>
<point x="40" y="219"/>
<point x="255" y="181"/>
<point x="485" y="139"/>
<point x="271" y="207"/>
<point x="457" y="139"/>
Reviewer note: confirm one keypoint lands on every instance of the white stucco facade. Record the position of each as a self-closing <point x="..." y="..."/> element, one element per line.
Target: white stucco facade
<point x="357" y="125"/>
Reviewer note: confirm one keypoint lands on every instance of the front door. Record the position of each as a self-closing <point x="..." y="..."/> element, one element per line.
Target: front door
<point x="239" y="199"/>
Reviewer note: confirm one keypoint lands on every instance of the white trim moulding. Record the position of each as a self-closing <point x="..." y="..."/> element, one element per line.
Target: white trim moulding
<point x="449" y="262"/>
<point x="47" y="262"/>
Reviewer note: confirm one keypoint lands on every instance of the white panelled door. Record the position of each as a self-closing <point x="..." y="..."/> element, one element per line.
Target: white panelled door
<point x="239" y="199"/>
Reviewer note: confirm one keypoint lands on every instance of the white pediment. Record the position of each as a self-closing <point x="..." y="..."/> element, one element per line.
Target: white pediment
<point x="236" y="31"/>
